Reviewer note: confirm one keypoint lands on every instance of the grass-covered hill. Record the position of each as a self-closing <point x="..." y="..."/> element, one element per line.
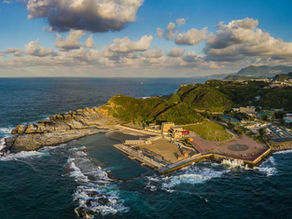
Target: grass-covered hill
<point x="210" y="130"/>
<point x="184" y="107"/>
<point x="190" y="101"/>
<point x="143" y="111"/>
<point x="205" y="97"/>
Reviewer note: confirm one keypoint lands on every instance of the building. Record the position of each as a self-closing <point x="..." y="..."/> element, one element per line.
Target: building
<point x="248" y="109"/>
<point x="288" y="119"/>
<point x="166" y="126"/>
<point x="153" y="128"/>
<point x="186" y="133"/>
<point x="176" y="132"/>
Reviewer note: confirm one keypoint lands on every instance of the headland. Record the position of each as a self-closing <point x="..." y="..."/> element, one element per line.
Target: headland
<point x="219" y="121"/>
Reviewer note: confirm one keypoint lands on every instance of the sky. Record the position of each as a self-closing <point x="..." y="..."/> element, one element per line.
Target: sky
<point x="136" y="38"/>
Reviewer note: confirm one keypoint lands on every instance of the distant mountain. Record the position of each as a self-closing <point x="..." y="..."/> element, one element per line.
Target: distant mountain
<point x="263" y="71"/>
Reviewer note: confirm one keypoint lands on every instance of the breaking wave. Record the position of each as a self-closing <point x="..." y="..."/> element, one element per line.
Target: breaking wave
<point x="96" y="195"/>
<point x="51" y="148"/>
<point x="5" y="130"/>
<point x="283" y="152"/>
<point x="21" y="155"/>
<point x="4" y="133"/>
<point x="234" y="164"/>
<point x="192" y="175"/>
<point x="268" y="167"/>
<point x="2" y="144"/>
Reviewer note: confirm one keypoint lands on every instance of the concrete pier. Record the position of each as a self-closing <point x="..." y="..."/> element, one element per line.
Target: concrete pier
<point x="141" y="156"/>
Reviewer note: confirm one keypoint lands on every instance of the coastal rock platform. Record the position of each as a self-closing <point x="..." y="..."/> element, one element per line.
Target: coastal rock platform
<point x="58" y="129"/>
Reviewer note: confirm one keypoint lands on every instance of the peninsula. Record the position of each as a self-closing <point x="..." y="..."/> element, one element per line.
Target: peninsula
<point x="235" y="122"/>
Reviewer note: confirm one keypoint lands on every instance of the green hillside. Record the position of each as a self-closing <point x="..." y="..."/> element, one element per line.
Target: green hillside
<point x="205" y="97"/>
<point x="191" y="101"/>
<point x="209" y="130"/>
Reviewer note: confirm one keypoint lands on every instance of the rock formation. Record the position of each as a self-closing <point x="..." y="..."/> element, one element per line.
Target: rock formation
<point x="58" y="129"/>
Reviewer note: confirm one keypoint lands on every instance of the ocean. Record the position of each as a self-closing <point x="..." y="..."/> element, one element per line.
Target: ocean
<point x="54" y="182"/>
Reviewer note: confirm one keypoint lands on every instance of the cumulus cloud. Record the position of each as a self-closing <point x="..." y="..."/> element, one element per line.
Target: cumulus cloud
<point x="190" y="57"/>
<point x="176" y="52"/>
<point x="47" y="28"/>
<point x="125" y="45"/>
<point x="156" y="53"/>
<point x="15" y="52"/>
<point x="180" y="21"/>
<point x="239" y="41"/>
<point x="89" y="43"/>
<point x="159" y="32"/>
<point x="33" y="48"/>
<point x="170" y="31"/>
<point x="91" y="15"/>
<point x="242" y="38"/>
<point x="71" y="41"/>
<point x="191" y="37"/>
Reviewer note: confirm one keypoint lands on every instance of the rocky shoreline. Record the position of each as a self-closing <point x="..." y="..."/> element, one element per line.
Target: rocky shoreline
<point x="62" y="128"/>
<point x="58" y="129"/>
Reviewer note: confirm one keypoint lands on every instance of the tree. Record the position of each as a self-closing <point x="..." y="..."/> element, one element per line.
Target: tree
<point x="264" y="117"/>
<point x="263" y="133"/>
<point x="279" y="115"/>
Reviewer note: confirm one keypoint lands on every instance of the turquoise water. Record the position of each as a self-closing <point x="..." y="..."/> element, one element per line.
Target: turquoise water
<point x="54" y="181"/>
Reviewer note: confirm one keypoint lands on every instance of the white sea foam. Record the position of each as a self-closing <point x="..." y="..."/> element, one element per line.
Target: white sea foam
<point x="50" y="148"/>
<point x="5" y="130"/>
<point x="76" y="172"/>
<point x="192" y="175"/>
<point x="2" y="144"/>
<point x="283" y="152"/>
<point x="21" y="155"/>
<point x="152" y="183"/>
<point x="268" y="167"/>
<point x="95" y="195"/>
<point x="234" y="164"/>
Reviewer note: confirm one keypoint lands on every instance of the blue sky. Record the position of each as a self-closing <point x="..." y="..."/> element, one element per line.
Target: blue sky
<point x="274" y="18"/>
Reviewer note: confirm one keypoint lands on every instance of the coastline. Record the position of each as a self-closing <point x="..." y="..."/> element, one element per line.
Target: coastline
<point x="63" y="128"/>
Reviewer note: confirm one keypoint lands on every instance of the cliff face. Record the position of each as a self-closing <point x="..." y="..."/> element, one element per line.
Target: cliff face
<point x="58" y="129"/>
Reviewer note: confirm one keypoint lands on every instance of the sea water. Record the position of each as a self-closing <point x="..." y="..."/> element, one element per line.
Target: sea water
<point x="91" y="175"/>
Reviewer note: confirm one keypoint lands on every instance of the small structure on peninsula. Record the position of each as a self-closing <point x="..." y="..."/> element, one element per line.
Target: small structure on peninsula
<point x="166" y="126"/>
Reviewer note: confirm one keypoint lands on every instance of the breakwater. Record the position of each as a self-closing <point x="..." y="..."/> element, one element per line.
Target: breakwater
<point x="141" y="156"/>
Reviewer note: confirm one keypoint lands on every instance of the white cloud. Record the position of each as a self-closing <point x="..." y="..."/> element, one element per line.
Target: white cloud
<point x="92" y="15"/>
<point x="71" y="41"/>
<point x="15" y="52"/>
<point x="156" y="53"/>
<point x="89" y="43"/>
<point x="239" y="41"/>
<point x="47" y="28"/>
<point x="125" y="45"/>
<point x="33" y="48"/>
<point x="176" y="52"/>
<point x="242" y="38"/>
<point x="170" y="31"/>
<point x="159" y="32"/>
<point x="191" y="37"/>
<point x="180" y="21"/>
